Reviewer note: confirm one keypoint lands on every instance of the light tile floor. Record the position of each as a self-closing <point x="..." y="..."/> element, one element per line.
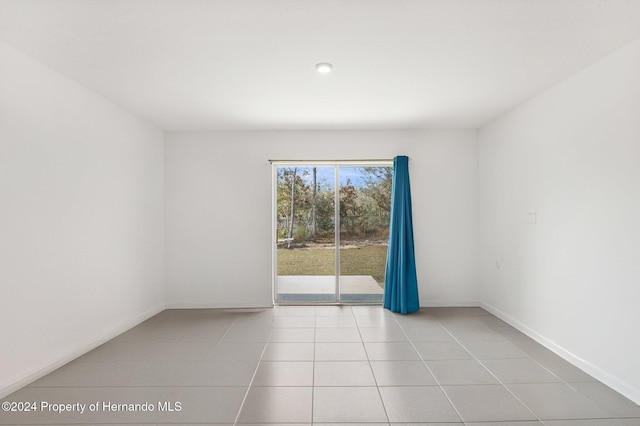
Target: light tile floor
<point x="325" y="365"/>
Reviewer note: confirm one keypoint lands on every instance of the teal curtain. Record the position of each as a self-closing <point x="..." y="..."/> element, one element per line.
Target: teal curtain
<point x="401" y="283"/>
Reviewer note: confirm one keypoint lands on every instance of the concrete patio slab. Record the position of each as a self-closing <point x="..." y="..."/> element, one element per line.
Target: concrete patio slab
<point x="321" y="288"/>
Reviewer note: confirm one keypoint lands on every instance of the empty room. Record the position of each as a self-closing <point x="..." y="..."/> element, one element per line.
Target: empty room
<point x="337" y="212"/>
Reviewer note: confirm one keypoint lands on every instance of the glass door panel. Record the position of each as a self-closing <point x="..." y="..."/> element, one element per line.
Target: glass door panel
<point x="305" y="228"/>
<point x="365" y="207"/>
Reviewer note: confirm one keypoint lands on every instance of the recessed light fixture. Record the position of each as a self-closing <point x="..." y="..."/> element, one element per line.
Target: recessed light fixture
<point x="324" y="67"/>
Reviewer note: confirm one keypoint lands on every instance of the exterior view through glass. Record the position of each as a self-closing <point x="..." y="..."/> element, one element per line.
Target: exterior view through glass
<point x="311" y="221"/>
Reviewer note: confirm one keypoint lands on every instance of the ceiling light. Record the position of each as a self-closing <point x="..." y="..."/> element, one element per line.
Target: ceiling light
<point x="324" y="67"/>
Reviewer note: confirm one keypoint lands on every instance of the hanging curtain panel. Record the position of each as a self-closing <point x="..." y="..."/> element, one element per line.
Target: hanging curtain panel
<point x="401" y="284"/>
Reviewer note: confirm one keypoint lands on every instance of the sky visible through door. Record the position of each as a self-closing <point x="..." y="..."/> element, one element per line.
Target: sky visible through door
<point x="308" y="268"/>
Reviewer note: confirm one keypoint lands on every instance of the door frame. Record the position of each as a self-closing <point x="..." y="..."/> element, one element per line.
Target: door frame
<point x="336" y="164"/>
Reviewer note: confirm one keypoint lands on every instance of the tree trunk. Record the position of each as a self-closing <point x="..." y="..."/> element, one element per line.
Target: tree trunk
<point x="293" y="199"/>
<point x="313" y="206"/>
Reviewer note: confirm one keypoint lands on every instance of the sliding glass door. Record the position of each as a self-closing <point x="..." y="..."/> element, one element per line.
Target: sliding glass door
<point x="365" y="210"/>
<point x="305" y="234"/>
<point x="331" y="231"/>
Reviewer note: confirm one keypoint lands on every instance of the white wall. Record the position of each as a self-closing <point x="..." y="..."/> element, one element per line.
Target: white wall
<point x="572" y="154"/>
<point x="81" y="219"/>
<point x="218" y="209"/>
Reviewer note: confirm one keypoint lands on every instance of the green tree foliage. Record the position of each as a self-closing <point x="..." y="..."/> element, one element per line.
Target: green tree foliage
<point x="364" y="205"/>
<point x="378" y="186"/>
<point x="351" y="209"/>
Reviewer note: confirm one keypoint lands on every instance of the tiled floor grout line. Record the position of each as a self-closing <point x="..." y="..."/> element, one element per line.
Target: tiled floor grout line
<point x="384" y="407"/>
<point x="246" y="394"/>
<point x="429" y="369"/>
<point x="313" y="364"/>
<point x="536" y="362"/>
<point x="606" y="410"/>
<point x="490" y="372"/>
<point x="540" y="364"/>
<point x="242" y="329"/>
<point x="221" y="339"/>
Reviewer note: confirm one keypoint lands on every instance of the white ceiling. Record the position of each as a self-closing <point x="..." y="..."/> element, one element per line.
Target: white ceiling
<point x="249" y="64"/>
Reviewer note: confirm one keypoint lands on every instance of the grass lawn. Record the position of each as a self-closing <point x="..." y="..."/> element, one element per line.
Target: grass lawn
<point x="367" y="260"/>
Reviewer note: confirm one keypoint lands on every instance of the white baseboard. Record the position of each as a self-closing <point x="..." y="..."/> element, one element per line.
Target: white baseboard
<point x="212" y="305"/>
<point x="449" y="304"/>
<point x="37" y="373"/>
<point x="262" y="305"/>
<point x="613" y="382"/>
